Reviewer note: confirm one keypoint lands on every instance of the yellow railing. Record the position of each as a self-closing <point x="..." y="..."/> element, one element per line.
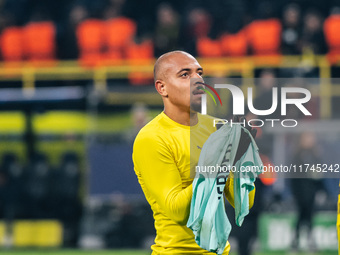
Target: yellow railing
<point x="217" y="67"/>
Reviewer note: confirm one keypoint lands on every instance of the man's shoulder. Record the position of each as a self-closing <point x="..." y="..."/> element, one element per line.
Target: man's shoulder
<point x="204" y="117"/>
<point x="152" y="130"/>
<point x="208" y="122"/>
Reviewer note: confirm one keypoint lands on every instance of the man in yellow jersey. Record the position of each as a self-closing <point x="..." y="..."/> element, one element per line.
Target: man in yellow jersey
<point x="163" y="156"/>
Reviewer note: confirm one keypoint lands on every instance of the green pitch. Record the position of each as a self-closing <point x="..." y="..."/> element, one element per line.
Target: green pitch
<point x="74" y="252"/>
<point x="120" y="252"/>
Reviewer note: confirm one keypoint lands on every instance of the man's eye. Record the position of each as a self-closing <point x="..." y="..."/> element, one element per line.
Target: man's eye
<point x="184" y="74"/>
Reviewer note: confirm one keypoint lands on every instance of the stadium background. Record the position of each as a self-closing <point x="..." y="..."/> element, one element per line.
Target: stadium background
<point x="76" y="86"/>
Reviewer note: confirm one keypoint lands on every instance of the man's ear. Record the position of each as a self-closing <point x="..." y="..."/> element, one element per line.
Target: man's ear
<point x="161" y="88"/>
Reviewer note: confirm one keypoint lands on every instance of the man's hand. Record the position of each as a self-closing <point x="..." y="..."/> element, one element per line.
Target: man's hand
<point x="244" y="139"/>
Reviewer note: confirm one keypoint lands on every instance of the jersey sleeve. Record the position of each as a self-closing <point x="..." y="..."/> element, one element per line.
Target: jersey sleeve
<point x="229" y="192"/>
<point x="158" y="170"/>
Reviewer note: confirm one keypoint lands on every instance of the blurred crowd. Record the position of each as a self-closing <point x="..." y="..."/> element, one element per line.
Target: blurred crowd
<point x="111" y="30"/>
<point x="37" y="190"/>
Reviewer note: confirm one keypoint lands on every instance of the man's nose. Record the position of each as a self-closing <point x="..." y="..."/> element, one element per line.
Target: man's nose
<point x="199" y="77"/>
<point x="198" y="80"/>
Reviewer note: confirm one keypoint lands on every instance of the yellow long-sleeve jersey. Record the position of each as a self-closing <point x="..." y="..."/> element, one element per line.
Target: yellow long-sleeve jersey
<point x="163" y="159"/>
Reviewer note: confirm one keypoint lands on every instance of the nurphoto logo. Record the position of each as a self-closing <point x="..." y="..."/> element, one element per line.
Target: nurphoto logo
<point x="239" y="109"/>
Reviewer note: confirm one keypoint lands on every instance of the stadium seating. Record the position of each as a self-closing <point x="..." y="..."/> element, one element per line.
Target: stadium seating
<point x="119" y="33"/>
<point x="34" y="42"/>
<point x="331" y="31"/>
<point x="207" y="47"/>
<point x="234" y="45"/>
<point x="12" y="47"/>
<point x="39" y="38"/>
<point x="264" y="37"/>
<point x="140" y="54"/>
<point x="90" y="37"/>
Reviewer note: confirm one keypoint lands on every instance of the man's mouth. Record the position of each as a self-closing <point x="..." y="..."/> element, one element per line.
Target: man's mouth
<point x="198" y="92"/>
<point x="199" y="89"/>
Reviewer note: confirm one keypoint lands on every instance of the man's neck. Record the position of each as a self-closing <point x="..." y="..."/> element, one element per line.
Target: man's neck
<point x="182" y="117"/>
